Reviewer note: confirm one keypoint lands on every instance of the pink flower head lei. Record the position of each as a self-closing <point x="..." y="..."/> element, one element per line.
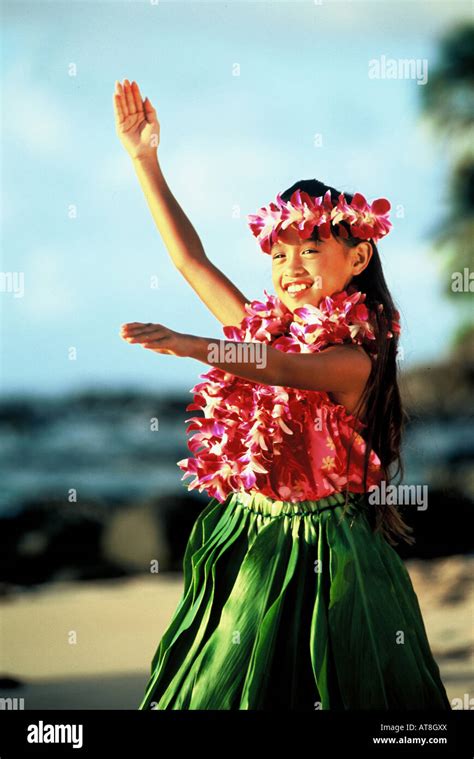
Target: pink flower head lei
<point x="305" y="212"/>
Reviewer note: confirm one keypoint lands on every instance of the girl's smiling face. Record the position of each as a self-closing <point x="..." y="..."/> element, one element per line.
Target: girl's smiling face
<point x="323" y="267"/>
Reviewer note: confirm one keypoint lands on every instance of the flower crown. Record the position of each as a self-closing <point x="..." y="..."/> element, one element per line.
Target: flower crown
<point x="305" y="212"/>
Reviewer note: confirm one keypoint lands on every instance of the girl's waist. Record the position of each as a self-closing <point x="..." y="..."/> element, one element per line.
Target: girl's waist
<point x="267" y="506"/>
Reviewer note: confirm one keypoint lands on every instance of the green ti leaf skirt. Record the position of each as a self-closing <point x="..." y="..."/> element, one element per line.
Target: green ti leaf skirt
<point x="293" y="607"/>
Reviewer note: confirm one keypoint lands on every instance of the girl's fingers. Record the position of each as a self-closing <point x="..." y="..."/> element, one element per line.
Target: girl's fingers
<point x="123" y="101"/>
<point x="150" y="112"/>
<point x="129" y="98"/>
<point x="136" y="325"/>
<point x="144" y="333"/>
<point x="147" y="337"/>
<point x="135" y="328"/>
<point x="119" y="115"/>
<point x="137" y="97"/>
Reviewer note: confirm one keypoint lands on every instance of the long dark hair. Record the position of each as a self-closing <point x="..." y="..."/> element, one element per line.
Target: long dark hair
<point x="385" y="416"/>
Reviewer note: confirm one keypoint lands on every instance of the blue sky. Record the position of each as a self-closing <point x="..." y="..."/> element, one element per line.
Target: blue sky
<point x="226" y="141"/>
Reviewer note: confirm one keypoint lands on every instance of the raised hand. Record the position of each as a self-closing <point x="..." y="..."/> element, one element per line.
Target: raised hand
<point x="136" y="122"/>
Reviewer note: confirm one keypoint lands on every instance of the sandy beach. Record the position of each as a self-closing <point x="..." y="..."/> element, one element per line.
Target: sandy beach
<point x="89" y="645"/>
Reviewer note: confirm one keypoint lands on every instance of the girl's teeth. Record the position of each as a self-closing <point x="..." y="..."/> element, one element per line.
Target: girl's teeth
<point x="297" y="288"/>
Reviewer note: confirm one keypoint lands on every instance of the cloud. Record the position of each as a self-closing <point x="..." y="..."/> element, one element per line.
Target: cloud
<point x="409" y="18"/>
<point x="33" y="117"/>
<point x="47" y="293"/>
<point x="114" y="172"/>
<point x="214" y="174"/>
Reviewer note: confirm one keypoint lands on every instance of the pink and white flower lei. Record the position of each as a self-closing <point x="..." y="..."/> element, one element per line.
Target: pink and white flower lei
<point x="245" y="423"/>
<point x="305" y="212"/>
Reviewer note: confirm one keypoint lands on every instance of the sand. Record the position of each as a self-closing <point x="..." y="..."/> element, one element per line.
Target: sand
<point x="90" y="645"/>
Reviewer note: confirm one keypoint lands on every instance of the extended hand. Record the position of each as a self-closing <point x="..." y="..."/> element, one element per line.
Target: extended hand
<point x="136" y="123"/>
<point x="157" y="338"/>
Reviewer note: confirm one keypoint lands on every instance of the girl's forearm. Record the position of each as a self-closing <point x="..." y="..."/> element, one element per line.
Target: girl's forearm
<point x="256" y="362"/>
<point x="178" y="234"/>
<point x="338" y="368"/>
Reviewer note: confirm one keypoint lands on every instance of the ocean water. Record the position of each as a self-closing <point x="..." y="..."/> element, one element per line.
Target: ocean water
<point x="104" y="447"/>
<point x="104" y="451"/>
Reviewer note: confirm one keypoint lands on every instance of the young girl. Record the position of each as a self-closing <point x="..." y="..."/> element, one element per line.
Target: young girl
<point x="294" y="597"/>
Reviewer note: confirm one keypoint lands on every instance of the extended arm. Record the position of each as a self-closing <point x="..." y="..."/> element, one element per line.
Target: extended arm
<point x="184" y="246"/>
<point x="342" y="370"/>
<point x="338" y="368"/>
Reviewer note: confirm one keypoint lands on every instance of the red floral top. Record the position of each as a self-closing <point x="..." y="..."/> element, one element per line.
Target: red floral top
<point x="285" y="443"/>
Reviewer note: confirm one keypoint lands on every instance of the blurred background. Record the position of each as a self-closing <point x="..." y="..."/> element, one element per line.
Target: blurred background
<point x="375" y="97"/>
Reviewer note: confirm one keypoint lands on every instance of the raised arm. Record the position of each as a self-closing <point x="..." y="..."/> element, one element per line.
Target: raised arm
<point x="139" y="132"/>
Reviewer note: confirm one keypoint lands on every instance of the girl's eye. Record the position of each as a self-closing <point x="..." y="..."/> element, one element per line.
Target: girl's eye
<point x="308" y="250"/>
